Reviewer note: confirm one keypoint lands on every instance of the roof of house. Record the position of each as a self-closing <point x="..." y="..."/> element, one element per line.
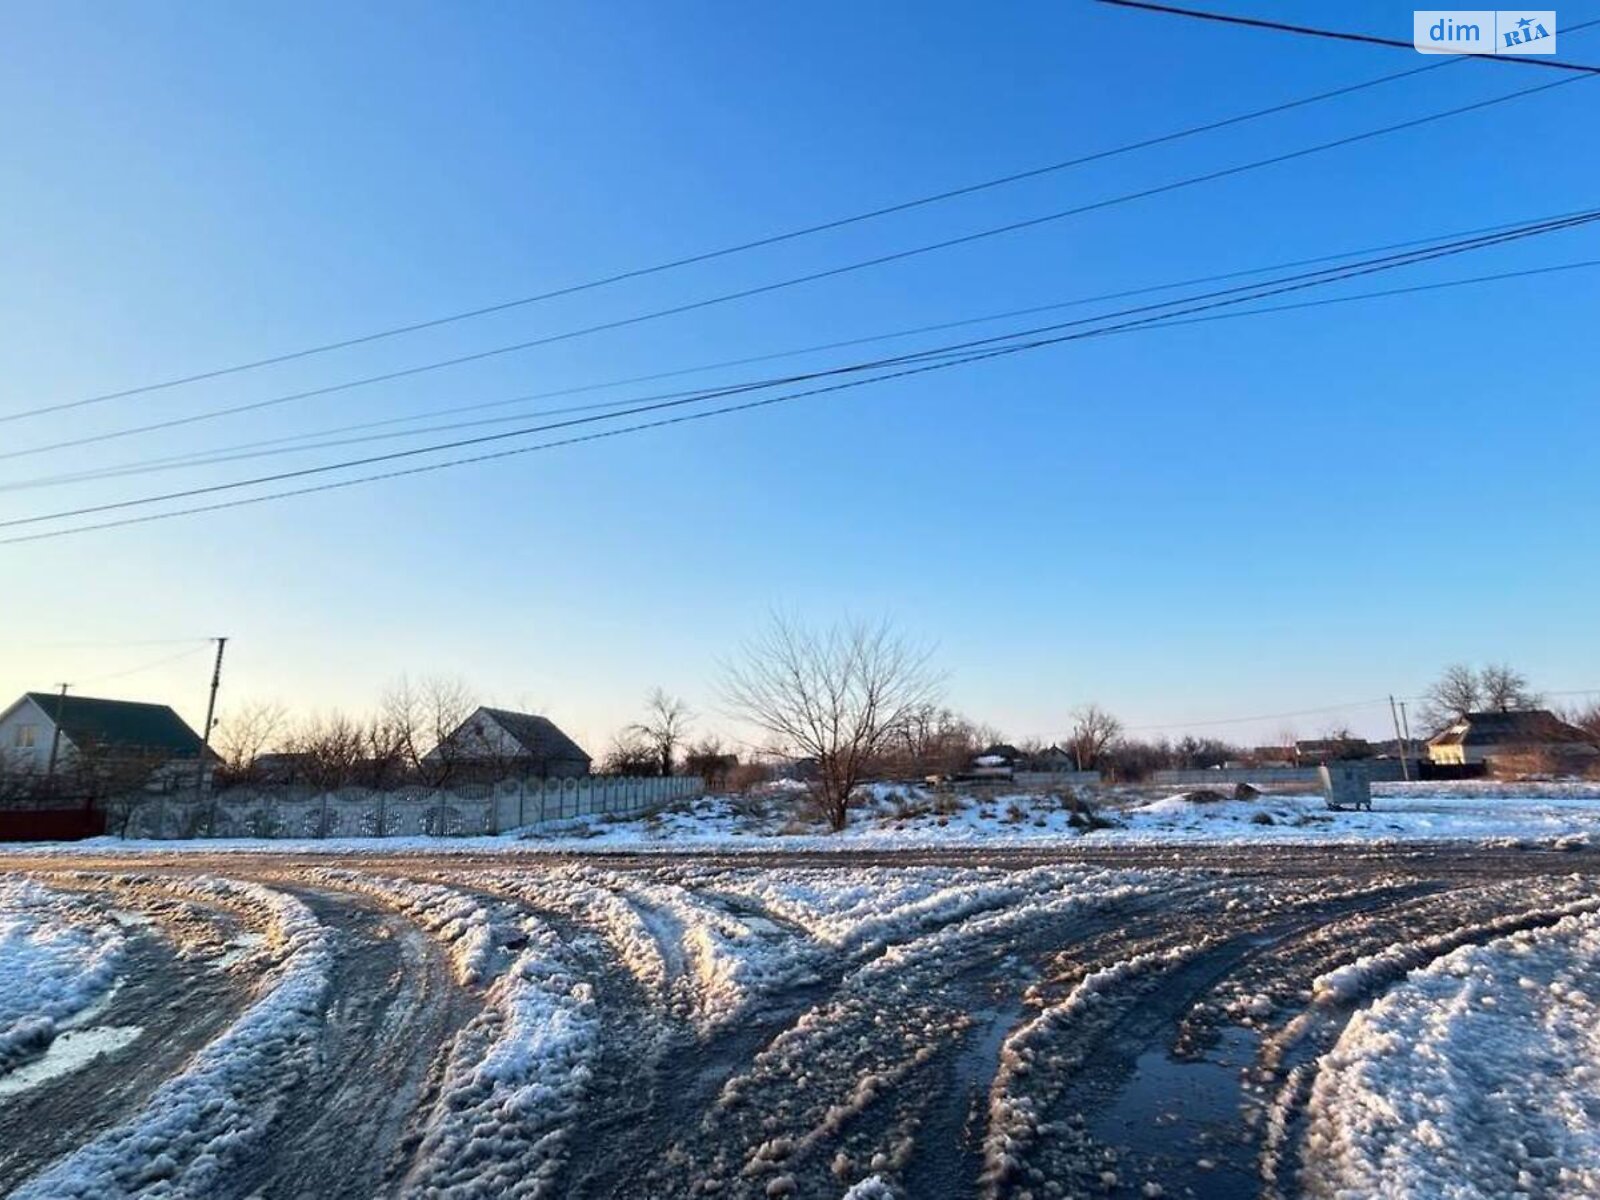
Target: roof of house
<point x="537" y="735"/>
<point x="121" y="724"/>
<point x="1002" y="750"/>
<point x="1533" y="726"/>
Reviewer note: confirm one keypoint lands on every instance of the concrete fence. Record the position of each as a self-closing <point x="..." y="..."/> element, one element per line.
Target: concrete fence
<point x="1379" y="770"/>
<point x="1046" y="780"/>
<point x="464" y="811"/>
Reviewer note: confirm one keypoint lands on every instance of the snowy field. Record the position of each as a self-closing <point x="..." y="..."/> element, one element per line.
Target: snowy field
<point x="887" y="818"/>
<point x="1317" y="1023"/>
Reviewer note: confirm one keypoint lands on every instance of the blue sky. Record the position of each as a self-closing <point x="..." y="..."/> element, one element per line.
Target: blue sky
<point x="1240" y="518"/>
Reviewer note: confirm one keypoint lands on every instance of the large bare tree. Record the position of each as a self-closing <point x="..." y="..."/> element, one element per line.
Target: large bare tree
<point x="666" y="722"/>
<point x="1505" y="689"/>
<point x="1498" y="687"/>
<point x="1093" y="731"/>
<point x="836" y="695"/>
<point x="1452" y="696"/>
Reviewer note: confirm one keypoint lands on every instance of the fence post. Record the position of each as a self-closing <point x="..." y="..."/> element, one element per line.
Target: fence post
<point x="383" y="812"/>
<point x="322" y="823"/>
<point x="522" y="800"/>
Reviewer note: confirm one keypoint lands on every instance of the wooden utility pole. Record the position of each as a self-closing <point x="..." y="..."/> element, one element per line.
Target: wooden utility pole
<point x="1404" y="742"/>
<point x="211" y="708"/>
<point x="55" y="735"/>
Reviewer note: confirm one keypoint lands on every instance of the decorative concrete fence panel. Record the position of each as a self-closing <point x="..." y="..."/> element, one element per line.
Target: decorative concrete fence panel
<point x="465" y="811"/>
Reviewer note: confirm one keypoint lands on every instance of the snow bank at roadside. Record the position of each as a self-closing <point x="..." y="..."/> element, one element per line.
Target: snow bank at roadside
<point x="199" y="1124"/>
<point x="513" y="1082"/>
<point x="1478" y="1076"/>
<point x="59" y="955"/>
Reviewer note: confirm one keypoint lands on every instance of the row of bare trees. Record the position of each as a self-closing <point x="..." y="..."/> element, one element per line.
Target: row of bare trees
<point x="405" y="739"/>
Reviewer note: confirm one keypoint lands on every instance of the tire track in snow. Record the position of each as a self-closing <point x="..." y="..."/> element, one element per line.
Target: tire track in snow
<point x="203" y="1122"/>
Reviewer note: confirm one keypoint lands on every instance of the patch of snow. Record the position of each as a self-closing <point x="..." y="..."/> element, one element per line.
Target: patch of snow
<point x="59" y="956"/>
<point x="198" y="1125"/>
<point x="458" y="920"/>
<point x="513" y="1082"/>
<point x="1477" y="1077"/>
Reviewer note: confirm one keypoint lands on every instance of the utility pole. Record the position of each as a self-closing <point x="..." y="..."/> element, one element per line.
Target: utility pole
<point x="211" y="708"/>
<point x="1405" y="743"/>
<point x="1405" y="723"/>
<point x="55" y="736"/>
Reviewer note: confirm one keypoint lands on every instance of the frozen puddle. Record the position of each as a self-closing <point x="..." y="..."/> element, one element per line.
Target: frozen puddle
<point x="1180" y="1119"/>
<point x="71" y="1050"/>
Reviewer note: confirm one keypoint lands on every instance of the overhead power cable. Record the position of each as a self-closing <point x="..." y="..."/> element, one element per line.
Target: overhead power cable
<point x="295" y="443"/>
<point x="1383" y="263"/>
<point x="834" y="272"/>
<point x="728" y="251"/>
<point x="1156" y="323"/>
<point x="947" y="356"/>
<point x="1525" y="60"/>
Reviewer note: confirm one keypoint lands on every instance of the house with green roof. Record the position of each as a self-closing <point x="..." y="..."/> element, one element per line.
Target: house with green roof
<point x="138" y="744"/>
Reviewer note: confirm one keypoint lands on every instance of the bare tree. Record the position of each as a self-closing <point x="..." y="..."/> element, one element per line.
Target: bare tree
<point x="1452" y="696"/>
<point x="1498" y="687"/>
<point x="629" y="754"/>
<point x="933" y="741"/>
<point x="707" y="759"/>
<point x="244" y="734"/>
<point x="421" y="717"/>
<point x="1505" y="689"/>
<point x="1093" y="731"/>
<point x="329" y="749"/>
<point x="1586" y="718"/>
<point x="666" y="722"/>
<point x="836" y="695"/>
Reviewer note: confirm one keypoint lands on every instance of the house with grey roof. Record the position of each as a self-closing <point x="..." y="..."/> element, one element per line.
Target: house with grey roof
<point x="496" y="743"/>
<point x="1477" y="737"/>
<point x="149" y="744"/>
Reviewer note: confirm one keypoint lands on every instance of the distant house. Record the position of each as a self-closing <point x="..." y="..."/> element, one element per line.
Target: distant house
<point x="1478" y="737"/>
<point x="120" y="743"/>
<point x="1052" y="760"/>
<point x="495" y="743"/>
<point x="1314" y="752"/>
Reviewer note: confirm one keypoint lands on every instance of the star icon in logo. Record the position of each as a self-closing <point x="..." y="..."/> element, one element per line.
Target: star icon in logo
<point x="1525" y="22"/>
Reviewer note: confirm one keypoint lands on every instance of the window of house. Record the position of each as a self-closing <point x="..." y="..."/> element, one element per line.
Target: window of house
<point x="22" y="737"/>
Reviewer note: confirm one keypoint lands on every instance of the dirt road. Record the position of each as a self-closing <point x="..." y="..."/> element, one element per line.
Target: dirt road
<point x="1017" y="1024"/>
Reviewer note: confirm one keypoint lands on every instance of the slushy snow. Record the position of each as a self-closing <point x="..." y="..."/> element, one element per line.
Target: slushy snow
<point x="1476" y="1077"/>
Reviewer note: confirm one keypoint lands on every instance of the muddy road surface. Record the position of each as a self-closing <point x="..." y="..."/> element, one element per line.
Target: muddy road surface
<point x="1019" y="1024"/>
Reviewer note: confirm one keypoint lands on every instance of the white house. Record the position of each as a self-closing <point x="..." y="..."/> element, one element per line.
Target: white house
<point x="1480" y="736"/>
<point x="113" y="737"/>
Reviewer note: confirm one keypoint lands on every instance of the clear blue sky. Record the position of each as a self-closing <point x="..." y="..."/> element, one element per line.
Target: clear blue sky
<point x="1231" y="519"/>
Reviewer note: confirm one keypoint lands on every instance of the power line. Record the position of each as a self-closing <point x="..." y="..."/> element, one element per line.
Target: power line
<point x="149" y="666"/>
<point x="1324" y="275"/>
<point x="1344" y="36"/>
<point x="1282" y="716"/>
<point x="274" y="446"/>
<point x="1160" y="320"/>
<point x="811" y="277"/>
<point x="727" y="251"/>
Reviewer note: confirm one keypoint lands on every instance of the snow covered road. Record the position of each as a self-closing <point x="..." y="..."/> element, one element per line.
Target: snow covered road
<point x="1214" y="1022"/>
